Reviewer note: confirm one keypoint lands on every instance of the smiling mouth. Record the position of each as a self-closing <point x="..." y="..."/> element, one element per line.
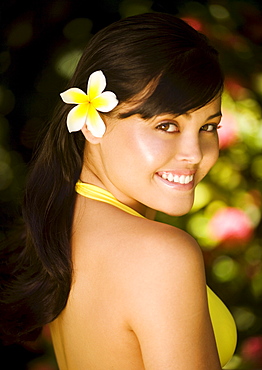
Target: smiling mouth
<point x="183" y="179"/>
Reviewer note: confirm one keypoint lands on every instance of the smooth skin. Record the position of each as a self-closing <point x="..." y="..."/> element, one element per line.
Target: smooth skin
<point x="138" y="298"/>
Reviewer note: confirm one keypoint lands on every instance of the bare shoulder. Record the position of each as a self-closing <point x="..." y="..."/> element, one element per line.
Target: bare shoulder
<point x="164" y="258"/>
<point x="165" y="245"/>
<point x="166" y="300"/>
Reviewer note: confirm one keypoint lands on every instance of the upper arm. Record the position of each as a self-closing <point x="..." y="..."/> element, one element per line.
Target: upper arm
<point x="167" y="305"/>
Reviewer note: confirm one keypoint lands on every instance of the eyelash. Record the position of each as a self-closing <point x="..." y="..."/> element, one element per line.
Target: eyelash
<point x="167" y="125"/>
<point x="213" y="125"/>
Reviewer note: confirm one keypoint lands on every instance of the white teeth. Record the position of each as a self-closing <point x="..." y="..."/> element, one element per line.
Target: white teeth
<point x="182" y="179"/>
<point x="170" y="177"/>
<point x="179" y="179"/>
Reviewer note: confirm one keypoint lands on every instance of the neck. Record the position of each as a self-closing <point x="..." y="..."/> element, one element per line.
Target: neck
<point x="91" y="175"/>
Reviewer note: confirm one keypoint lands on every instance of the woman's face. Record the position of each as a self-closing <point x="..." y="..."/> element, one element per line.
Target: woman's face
<point x="158" y="162"/>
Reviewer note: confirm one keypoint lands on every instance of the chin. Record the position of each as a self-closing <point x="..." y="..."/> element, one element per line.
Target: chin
<point x="176" y="213"/>
<point x="178" y="208"/>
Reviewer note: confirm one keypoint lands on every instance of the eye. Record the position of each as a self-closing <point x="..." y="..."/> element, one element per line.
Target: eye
<point x="210" y="127"/>
<point x="167" y="127"/>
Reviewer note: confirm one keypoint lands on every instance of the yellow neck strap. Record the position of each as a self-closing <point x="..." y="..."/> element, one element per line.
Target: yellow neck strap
<point x="102" y="195"/>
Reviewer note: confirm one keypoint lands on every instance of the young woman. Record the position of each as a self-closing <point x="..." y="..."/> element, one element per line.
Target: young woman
<point x="135" y="132"/>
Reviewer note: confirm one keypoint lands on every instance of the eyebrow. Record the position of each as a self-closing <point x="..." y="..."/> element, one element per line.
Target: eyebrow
<point x="218" y="114"/>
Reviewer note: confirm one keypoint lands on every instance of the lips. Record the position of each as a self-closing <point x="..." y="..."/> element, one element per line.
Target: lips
<point x="175" y="178"/>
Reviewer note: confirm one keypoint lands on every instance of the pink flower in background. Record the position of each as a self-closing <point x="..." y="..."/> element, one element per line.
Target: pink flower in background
<point x="236" y="88"/>
<point x="231" y="226"/>
<point x="228" y="132"/>
<point x="252" y="350"/>
<point x="194" y="22"/>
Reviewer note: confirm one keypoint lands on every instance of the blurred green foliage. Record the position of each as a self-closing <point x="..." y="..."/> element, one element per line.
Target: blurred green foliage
<point x="42" y="43"/>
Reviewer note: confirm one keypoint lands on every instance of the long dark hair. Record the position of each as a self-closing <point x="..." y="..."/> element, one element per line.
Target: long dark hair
<point x="154" y="48"/>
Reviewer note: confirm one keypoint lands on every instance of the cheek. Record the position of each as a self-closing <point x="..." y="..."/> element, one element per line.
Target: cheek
<point x="136" y="150"/>
<point x="148" y="155"/>
<point x="151" y="151"/>
<point x="211" y="151"/>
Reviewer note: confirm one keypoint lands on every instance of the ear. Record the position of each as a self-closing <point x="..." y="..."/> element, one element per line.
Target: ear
<point x="89" y="136"/>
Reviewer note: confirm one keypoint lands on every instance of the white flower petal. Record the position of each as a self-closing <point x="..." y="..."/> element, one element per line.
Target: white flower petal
<point x="88" y="105"/>
<point x="74" y="96"/>
<point x="96" y="84"/>
<point x="94" y="122"/>
<point x="105" y="102"/>
<point x="76" y="117"/>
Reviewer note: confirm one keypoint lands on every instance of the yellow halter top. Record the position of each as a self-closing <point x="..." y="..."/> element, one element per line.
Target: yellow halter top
<point x="223" y="323"/>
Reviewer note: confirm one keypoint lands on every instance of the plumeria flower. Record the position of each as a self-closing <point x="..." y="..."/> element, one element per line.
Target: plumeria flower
<point x="88" y="105"/>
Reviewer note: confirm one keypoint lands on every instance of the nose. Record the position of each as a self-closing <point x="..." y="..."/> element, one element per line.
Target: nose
<point x="189" y="149"/>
